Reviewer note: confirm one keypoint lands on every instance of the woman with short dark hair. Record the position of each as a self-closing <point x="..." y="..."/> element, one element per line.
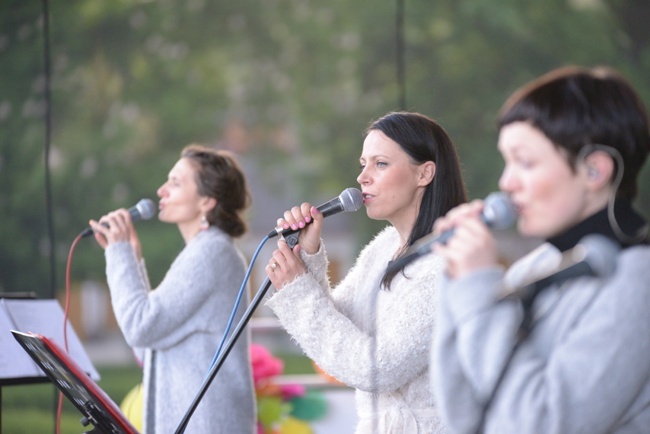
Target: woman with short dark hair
<point x="573" y="356"/>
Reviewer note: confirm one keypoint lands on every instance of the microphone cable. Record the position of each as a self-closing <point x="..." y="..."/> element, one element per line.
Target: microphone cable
<point x="242" y="290"/>
<point x="240" y="295"/>
<point x="351" y="202"/>
<point x="218" y="357"/>
<point x="642" y="232"/>
<point x="66" y="310"/>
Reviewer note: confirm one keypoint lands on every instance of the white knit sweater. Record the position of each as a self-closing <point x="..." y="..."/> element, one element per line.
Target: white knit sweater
<point x="386" y="359"/>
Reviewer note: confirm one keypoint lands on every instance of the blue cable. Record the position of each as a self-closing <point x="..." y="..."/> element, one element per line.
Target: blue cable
<point x="181" y="428"/>
<point x="239" y="297"/>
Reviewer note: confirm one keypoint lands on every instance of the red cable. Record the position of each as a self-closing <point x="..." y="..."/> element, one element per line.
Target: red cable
<point x="59" y="409"/>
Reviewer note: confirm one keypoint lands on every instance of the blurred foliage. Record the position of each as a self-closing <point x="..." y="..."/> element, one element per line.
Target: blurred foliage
<point x="30" y="408"/>
<point x="290" y="84"/>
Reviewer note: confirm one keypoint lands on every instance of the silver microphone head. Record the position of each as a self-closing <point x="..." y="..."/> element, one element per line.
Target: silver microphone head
<point x="599" y="252"/>
<point x="145" y="209"/>
<point x="499" y="212"/>
<point x="351" y="199"/>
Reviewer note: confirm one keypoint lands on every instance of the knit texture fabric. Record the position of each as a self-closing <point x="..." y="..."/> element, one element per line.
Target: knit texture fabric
<point x="180" y="325"/>
<point x="584" y="368"/>
<point x="374" y="340"/>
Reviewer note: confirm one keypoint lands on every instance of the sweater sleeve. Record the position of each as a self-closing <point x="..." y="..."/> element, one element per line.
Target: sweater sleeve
<point x="578" y="371"/>
<point x="200" y="284"/>
<point x="377" y="343"/>
<point x="470" y="345"/>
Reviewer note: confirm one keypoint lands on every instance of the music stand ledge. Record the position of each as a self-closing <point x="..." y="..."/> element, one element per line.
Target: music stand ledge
<point x="96" y="406"/>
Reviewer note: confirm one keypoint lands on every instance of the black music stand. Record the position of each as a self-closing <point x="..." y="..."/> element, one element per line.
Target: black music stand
<point x="96" y="406"/>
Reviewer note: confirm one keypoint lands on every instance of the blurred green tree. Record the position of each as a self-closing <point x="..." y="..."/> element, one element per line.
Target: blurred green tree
<point x="287" y="84"/>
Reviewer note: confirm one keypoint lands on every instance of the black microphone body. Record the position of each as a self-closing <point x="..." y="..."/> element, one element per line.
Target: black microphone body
<point x="349" y="200"/>
<point x="143" y="210"/>
<point x="595" y="255"/>
<point x="498" y="213"/>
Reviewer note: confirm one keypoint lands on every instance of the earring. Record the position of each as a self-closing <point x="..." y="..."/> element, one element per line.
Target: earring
<point x="204" y="223"/>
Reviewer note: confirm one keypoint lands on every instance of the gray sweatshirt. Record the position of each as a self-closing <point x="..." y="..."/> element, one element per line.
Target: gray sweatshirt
<point x="180" y="325"/>
<point x="585" y="368"/>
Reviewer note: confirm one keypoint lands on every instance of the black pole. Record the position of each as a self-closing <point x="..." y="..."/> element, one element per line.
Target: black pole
<point x="48" y="186"/>
<point x="222" y="356"/>
<point x="399" y="54"/>
<point x="48" y="140"/>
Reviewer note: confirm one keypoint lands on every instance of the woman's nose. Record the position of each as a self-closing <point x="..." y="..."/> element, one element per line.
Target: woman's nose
<point x="363" y="177"/>
<point x="507" y="180"/>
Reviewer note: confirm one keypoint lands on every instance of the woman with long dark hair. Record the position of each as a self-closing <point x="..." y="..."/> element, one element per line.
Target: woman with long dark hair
<point x="373" y="331"/>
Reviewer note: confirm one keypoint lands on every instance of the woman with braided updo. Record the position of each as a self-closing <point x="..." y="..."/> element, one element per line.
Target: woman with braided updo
<point x="180" y="323"/>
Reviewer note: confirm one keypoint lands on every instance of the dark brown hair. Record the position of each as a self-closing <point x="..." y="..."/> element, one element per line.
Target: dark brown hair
<point x="423" y="139"/>
<point x="577" y="107"/>
<point x="218" y="175"/>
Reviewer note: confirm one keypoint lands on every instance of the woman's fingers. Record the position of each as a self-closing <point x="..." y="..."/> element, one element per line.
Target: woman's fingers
<point x="113" y="227"/>
<point x="285" y="265"/>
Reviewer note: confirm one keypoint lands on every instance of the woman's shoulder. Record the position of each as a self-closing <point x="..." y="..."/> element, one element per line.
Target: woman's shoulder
<point x="210" y="237"/>
<point x="212" y="242"/>
<point x="387" y="235"/>
<point x="385" y="241"/>
<point x="634" y="261"/>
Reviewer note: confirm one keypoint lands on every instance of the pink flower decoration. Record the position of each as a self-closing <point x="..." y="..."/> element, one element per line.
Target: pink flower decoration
<point x="290" y="391"/>
<point x="264" y="364"/>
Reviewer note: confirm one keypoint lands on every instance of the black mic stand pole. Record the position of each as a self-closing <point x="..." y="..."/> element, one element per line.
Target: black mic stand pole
<point x="291" y="240"/>
<point x="525" y="327"/>
<point x="224" y="353"/>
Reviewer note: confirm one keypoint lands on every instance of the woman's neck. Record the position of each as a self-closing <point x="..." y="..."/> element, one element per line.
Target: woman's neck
<point x="629" y="221"/>
<point x="189" y="231"/>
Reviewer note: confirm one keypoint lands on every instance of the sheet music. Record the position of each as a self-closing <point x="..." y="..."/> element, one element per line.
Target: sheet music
<point x="14" y="361"/>
<point x="45" y="317"/>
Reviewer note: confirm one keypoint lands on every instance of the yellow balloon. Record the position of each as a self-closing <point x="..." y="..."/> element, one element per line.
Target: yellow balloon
<point x="291" y="425"/>
<point x="133" y="406"/>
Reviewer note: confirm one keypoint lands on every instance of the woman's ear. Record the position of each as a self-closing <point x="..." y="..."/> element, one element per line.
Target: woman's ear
<point x="207" y="204"/>
<point x="427" y="171"/>
<point x="599" y="169"/>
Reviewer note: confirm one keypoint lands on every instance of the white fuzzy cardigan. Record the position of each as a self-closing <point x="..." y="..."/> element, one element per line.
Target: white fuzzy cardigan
<point x="387" y="360"/>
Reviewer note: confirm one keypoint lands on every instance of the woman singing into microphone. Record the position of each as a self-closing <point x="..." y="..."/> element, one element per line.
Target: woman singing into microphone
<point x="573" y="142"/>
<point x="373" y="332"/>
<point x="181" y="322"/>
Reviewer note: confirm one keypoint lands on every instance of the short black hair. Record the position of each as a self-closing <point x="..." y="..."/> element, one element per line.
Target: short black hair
<point x="576" y="107"/>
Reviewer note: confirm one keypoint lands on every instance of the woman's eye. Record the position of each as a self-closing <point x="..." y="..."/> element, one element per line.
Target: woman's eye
<point x="526" y="164"/>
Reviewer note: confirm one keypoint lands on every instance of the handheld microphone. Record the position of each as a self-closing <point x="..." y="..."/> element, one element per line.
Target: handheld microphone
<point x="349" y="200"/>
<point x="595" y="255"/>
<point x="498" y="213"/>
<point x="143" y="210"/>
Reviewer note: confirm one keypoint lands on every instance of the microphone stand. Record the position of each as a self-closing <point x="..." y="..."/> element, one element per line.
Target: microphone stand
<point x="291" y="240"/>
<point x="525" y="327"/>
